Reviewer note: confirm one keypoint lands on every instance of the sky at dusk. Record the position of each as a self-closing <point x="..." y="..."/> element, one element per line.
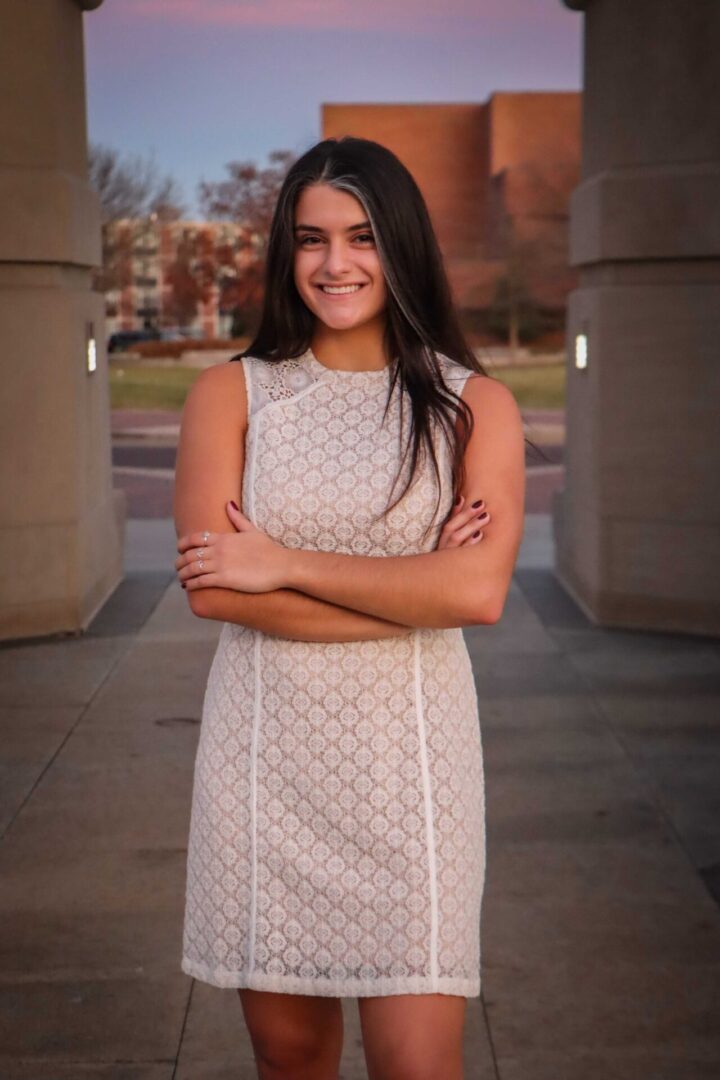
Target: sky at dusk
<point x="197" y="83"/>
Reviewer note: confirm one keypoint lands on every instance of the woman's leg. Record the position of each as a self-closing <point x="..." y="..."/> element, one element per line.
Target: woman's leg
<point x="294" y="1036"/>
<point x="413" y="1036"/>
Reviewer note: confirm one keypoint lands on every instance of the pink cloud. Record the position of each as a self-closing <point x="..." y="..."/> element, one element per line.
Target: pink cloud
<point x="412" y="15"/>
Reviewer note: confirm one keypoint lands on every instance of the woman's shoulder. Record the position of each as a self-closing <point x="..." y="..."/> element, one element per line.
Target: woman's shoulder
<point x="271" y="379"/>
<point x="478" y="389"/>
<point x="453" y="371"/>
<point x="219" y="378"/>
<point x="266" y="366"/>
<point x="218" y="392"/>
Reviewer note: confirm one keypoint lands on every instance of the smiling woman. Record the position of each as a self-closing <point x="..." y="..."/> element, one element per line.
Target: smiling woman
<point x="337" y="835"/>
<point x="337" y="271"/>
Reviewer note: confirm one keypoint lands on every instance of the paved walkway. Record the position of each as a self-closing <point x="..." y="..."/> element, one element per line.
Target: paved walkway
<point x="144" y="442"/>
<point x="600" y="930"/>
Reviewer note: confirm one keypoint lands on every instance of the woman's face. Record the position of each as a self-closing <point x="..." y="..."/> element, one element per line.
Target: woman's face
<point x="337" y="269"/>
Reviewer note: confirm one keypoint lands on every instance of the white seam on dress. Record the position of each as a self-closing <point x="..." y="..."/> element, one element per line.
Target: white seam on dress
<point x="245" y="364"/>
<point x="282" y="402"/>
<point x="432" y="869"/>
<point x="251" y="440"/>
<point x="253" y="805"/>
<point x="256" y="725"/>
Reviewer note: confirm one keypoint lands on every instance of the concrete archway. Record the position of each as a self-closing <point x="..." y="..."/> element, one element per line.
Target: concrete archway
<point x="638" y="524"/>
<point x="61" y="529"/>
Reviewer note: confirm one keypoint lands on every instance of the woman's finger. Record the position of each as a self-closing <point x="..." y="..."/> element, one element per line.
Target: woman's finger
<point x="461" y="534"/>
<point x="202" y="581"/>
<point x="241" y="522"/>
<point x="461" y="518"/>
<point x="462" y="514"/>
<point x="196" y="539"/>
<point x="195" y="567"/>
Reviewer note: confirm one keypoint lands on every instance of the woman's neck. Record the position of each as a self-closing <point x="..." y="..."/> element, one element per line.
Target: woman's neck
<point x="359" y="349"/>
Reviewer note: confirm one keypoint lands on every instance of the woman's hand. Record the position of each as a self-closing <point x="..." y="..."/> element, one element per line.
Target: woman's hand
<point x="247" y="560"/>
<point x="464" y="522"/>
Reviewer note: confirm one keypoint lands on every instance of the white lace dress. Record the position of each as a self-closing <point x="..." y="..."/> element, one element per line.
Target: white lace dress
<point x="337" y="831"/>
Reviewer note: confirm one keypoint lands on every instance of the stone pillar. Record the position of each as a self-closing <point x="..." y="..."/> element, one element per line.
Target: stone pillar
<point x="637" y="528"/>
<point x="61" y="527"/>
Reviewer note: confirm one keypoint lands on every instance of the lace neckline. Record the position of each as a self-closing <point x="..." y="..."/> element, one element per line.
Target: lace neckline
<point x="315" y="365"/>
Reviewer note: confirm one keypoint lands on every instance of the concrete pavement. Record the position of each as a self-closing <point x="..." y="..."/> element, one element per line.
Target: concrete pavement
<point x="600" y="926"/>
<point x="144" y="442"/>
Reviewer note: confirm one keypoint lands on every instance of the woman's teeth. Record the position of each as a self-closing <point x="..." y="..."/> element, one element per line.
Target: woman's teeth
<point x="340" y="290"/>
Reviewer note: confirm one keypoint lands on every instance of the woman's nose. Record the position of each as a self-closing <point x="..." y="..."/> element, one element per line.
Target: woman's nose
<point x="337" y="258"/>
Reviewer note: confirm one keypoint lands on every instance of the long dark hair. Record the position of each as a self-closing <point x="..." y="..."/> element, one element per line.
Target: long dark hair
<point x="420" y="317"/>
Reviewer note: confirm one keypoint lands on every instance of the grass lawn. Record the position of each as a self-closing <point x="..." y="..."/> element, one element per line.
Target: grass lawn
<point x="539" y="387"/>
<point x="148" y="387"/>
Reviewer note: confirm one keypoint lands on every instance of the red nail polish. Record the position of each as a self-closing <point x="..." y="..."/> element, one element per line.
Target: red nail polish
<point x="234" y="504"/>
<point x="475" y="534"/>
<point x="476" y="504"/>
<point x="457" y="501"/>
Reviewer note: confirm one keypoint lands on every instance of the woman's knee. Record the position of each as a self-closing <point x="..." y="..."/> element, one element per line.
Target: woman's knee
<point x="417" y="1037"/>
<point x="293" y="1037"/>
<point x="288" y="1053"/>
<point x="407" y="1063"/>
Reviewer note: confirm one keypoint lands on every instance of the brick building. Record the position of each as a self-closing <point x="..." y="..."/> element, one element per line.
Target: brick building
<point x="496" y="176"/>
<point x="153" y="267"/>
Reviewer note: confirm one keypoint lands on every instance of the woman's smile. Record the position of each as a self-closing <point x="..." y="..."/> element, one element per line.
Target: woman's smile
<point x="337" y="267"/>
<point x="340" y="291"/>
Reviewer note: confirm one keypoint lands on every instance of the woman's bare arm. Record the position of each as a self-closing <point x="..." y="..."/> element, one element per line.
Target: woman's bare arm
<point x="290" y="614"/>
<point x="208" y="473"/>
<point x="460" y="587"/>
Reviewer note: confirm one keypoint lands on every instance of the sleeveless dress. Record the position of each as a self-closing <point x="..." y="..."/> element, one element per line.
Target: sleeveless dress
<point x="337" y="828"/>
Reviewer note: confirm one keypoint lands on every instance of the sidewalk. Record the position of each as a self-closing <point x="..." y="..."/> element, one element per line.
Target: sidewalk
<point x="600" y="933"/>
<point x="542" y="424"/>
<point x="149" y="486"/>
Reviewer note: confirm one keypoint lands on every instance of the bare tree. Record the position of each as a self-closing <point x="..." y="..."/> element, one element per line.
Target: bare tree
<point x="131" y="187"/>
<point x="130" y="190"/>
<point x="529" y="214"/>
<point x="247" y="197"/>
<point x="192" y="274"/>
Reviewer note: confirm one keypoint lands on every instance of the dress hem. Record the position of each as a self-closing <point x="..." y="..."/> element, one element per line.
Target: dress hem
<point x="290" y="984"/>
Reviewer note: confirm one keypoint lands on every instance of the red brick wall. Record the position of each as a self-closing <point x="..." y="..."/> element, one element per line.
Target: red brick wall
<point x="442" y="146"/>
<point x="535" y="161"/>
<point x="487" y="171"/>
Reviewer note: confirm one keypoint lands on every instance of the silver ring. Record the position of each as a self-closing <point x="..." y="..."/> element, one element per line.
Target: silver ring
<point x="200" y="553"/>
<point x="201" y="564"/>
<point x="205" y="537"/>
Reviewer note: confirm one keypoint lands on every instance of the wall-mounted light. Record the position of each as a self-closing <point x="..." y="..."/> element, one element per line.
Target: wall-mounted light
<point x="581" y="350"/>
<point x="90" y="347"/>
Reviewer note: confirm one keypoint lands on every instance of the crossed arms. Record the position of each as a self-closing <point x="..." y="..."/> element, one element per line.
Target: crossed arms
<point x="335" y="597"/>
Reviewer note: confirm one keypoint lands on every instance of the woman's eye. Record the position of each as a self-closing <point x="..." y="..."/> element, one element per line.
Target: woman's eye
<point x="367" y="237"/>
<point x="304" y="240"/>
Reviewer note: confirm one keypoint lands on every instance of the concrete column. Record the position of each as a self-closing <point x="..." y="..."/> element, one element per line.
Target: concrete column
<point x="61" y="527"/>
<point x="637" y="527"/>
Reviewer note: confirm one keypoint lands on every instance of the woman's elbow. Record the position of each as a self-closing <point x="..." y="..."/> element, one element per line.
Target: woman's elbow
<point x="198" y="602"/>
<point x="488" y="612"/>
<point x="493" y="613"/>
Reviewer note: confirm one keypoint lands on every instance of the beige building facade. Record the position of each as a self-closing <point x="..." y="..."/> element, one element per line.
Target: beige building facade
<point x="61" y="530"/>
<point x="175" y="274"/>
<point x="638" y="524"/>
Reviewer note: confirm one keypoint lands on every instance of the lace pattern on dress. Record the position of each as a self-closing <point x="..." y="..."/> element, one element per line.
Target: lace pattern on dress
<point x="337" y="839"/>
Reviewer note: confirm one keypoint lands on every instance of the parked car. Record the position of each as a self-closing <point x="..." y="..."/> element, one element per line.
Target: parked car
<point x="122" y="340"/>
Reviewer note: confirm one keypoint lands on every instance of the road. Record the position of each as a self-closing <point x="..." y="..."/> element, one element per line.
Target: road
<point x="144" y="447"/>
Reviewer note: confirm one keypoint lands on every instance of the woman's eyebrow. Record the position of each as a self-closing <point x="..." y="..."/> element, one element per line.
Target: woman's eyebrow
<point x="316" y="228"/>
